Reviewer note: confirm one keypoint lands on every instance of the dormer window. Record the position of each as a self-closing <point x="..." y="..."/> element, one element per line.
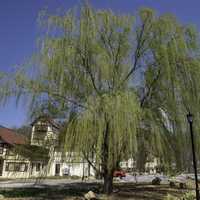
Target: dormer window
<point x="44" y="132"/>
<point x="42" y="127"/>
<point x="40" y="132"/>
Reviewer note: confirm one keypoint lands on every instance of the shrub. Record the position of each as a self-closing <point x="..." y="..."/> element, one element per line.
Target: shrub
<point x="187" y="196"/>
<point x="170" y="197"/>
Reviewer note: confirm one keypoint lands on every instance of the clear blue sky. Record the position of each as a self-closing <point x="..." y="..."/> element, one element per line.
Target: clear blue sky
<point x="18" y="32"/>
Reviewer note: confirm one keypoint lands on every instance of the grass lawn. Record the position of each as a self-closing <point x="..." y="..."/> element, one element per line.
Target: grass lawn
<point x="76" y="191"/>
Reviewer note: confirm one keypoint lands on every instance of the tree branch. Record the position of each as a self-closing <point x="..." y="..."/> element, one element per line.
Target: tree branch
<point x="150" y="88"/>
<point x="137" y="54"/>
<point x="51" y="94"/>
<point x="90" y="162"/>
<point x="88" y="71"/>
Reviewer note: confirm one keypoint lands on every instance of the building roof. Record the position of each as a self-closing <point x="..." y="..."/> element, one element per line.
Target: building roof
<point x="46" y="119"/>
<point x="11" y="137"/>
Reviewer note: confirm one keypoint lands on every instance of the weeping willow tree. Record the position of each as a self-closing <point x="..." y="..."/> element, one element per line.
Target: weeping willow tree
<point x="108" y="127"/>
<point x="171" y="90"/>
<point x="82" y="68"/>
<point x="119" y="82"/>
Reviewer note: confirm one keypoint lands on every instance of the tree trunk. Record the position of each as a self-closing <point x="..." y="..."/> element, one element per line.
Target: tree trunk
<point x="107" y="171"/>
<point x="108" y="183"/>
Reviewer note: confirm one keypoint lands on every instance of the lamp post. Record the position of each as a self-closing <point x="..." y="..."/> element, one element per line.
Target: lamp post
<point x="190" y="121"/>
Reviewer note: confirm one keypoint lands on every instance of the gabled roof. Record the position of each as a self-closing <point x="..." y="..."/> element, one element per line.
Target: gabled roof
<point x="11" y="137"/>
<point x="46" y="119"/>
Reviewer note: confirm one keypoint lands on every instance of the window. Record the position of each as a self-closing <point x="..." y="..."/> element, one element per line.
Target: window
<point x="23" y="167"/>
<point x="37" y="167"/>
<point x="41" y="128"/>
<point x="39" y="133"/>
<point x="43" y="165"/>
<point x="10" y="152"/>
<point x="1" y="148"/>
<point x="16" y="167"/>
<point x="10" y="167"/>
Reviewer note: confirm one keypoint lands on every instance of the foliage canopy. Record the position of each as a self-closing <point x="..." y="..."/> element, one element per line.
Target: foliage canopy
<point x="122" y="83"/>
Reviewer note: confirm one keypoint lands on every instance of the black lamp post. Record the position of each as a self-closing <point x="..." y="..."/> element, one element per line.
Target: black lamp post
<point x="190" y="121"/>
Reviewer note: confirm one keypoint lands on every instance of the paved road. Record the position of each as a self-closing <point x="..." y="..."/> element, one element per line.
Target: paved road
<point x="37" y="183"/>
<point x="144" y="178"/>
<point x="41" y="183"/>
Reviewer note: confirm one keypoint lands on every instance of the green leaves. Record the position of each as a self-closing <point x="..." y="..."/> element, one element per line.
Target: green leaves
<point x="146" y="15"/>
<point x="122" y="112"/>
<point x="92" y="62"/>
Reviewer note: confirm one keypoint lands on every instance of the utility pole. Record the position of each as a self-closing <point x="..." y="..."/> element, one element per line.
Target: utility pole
<point x="190" y="121"/>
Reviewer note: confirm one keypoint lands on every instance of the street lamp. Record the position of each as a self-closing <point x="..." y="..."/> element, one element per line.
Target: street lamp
<point x="190" y="121"/>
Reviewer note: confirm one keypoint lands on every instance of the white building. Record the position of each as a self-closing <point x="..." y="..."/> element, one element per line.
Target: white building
<point x="150" y="166"/>
<point x="41" y="157"/>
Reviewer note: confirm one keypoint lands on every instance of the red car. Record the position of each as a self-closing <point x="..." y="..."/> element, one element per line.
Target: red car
<point x="119" y="173"/>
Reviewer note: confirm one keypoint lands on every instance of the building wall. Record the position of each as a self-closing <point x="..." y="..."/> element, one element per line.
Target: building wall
<point x="128" y="164"/>
<point x="3" y="149"/>
<point x="15" y="174"/>
<point x="38" y="169"/>
<point x="31" y="171"/>
<point x="9" y="158"/>
<point x="47" y="137"/>
<point x="78" y="169"/>
<point x="13" y="165"/>
<point x="151" y="166"/>
<point x="67" y="165"/>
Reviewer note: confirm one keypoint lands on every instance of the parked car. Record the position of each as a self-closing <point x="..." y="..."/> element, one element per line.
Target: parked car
<point x="119" y="173"/>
